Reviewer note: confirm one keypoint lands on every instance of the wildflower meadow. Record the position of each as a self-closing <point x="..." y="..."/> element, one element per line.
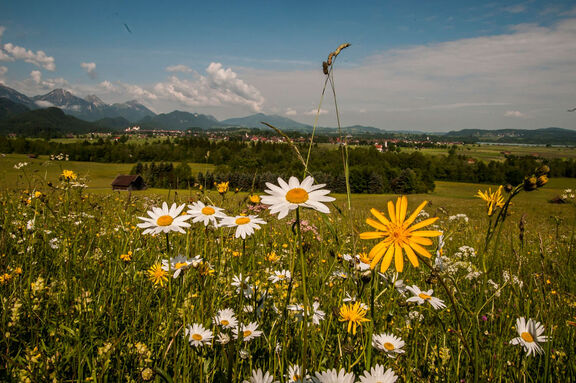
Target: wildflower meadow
<point x="288" y="284"/>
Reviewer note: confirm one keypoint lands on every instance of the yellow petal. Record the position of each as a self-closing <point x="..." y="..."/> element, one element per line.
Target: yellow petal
<point x="414" y="214"/>
<point x="420" y="241"/>
<point x="379" y="216"/>
<point x="426" y="233"/>
<point x="401" y="213"/>
<point x="377" y="252"/>
<point x="372" y="235"/>
<point x="398" y="258"/>
<point x="420" y="250"/>
<point x="421" y="224"/>
<point x="411" y="256"/>
<point x="387" y="259"/>
<point x="391" y="211"/>
<point x="376" y="225"/>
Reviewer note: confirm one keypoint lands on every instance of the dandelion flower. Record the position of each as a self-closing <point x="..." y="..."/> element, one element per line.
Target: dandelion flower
<point x="530" y="335"/>
<point x="69" y="175"/>
<point x="354" y="314"/>
<point x="378" y="375"/>
<point x="291" y="195"/>
<point x="157" y="275"/>
<point x="399" y="236"/>
<point x="249" y="331"/>
<point x="424" y="296"/>
<point x="198" y="335"/>
<point x="226" y="319"/>
<point x="244" y="224"/>
<point x="259" y="377"/>
<point x="388" y="343"/>
<point x="223" y="187"/>
<point x="333" y="376"/>
<point x="207" y="214"/>
<point x="492" y="199"/>
<point x="165" y="220"/>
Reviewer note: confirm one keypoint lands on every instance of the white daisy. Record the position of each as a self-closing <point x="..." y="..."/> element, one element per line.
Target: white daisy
<point x="164" y="220"/>
<point x="223" y="338"/>
<point x="333" y="376"/>
<point x="249" y="332"/>
<point x="226" y="319"/>
<point x="259" y="377"/>
<point x="424" y="296"/>
<point x="530" y="335"/>
<point x="177" y="264"/>
<point x="244" y="224"/>
<point x="205" y="213"/>
<point x="288" y="196"/>
<point x="388" y="343"/>
<point x="295" y="375"/>
<point x="280" y="276"/>
<point x="378" y="375"/>
<point x="198" y="335"/>
<point x="242" y="285"/>
<point x="317" y="314"/>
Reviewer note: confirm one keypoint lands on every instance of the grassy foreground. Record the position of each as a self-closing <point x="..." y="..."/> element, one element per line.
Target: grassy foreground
<point x="81" y="300"/>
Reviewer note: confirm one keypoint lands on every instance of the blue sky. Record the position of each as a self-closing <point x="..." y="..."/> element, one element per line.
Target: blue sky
<point x="417" y="65"/>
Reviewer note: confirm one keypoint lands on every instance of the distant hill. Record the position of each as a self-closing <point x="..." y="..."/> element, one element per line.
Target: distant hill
<point x="255" y="121"/>
<point x="17" y="97"/>
<point x="545" y="136"/>
<point x="178" y="120"/>
<point x="9" y="108"/>
<point x="49" y="122"/>
<point x="114" y="123"/>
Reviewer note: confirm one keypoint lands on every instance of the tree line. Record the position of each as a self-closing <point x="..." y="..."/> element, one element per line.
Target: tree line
<point x="250" y="165"/>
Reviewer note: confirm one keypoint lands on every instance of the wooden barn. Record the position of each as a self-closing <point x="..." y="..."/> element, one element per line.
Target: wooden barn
<point x="128" y="182"/>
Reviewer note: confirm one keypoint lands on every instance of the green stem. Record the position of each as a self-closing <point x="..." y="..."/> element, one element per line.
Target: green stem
<point x="304" y="293"/>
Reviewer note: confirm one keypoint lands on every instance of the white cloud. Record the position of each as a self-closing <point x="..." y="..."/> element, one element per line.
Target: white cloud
<point x="90" y="69"/>
<point x="219" y="87"/>
<point x="519" y="8"/>
<point x="2" y="29"/>
<point x="36" y="75"/>
<point x="290" y="112"/>
<point x="313" y="112"/>
<point x="179" y="68"/>
<point x="127" y="90"/>
<point x="39" y="58"/>
<point x="515" y="114"/>
<point x="3" y="71"/>
<point x="43" y="104"/>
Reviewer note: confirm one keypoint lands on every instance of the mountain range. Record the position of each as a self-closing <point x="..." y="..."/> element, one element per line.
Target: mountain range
<point x="60" y="112"/>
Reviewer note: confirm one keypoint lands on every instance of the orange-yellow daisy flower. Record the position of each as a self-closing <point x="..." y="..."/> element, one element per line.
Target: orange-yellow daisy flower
<point x="399" y="236"/>
<point x="354" y="314"/>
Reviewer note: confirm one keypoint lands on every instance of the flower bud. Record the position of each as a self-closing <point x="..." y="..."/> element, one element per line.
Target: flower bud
<point x="530" y="183"/>
<point x="542" y="170"/>
<point x="542" y="180"/>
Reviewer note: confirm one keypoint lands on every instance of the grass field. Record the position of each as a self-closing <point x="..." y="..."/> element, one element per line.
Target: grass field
<point x="87" y="296"/>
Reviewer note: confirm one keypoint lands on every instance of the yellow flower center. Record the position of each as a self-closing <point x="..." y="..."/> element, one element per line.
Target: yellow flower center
<point x="207" y="210"/>
<point x="527" y="337"/>
<point x="197" y="337"/>
<point x="246" y="333"/>
<point x="399" y="234"/>
<point x="179" y="265"/>
<point x="297" y="195"/>
<point x="389" y="346"/>
<point x="242" y="220"/>
<point x="281" y="276"/>
<point x="224" y="322"/>
<point x="424" y="296"/>
<point x="165" y="220"/>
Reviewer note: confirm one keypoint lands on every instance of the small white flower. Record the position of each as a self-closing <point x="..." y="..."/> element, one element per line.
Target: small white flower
<point x="378" y="375"/>
<point x="289" y="196"/>
<point x="333" y="376"/>
<point x="280" y="276"/>
<point x="388" y="343"/>
<point x="207" y="214"/>
<point x="249" y="331"/>
<point x="259" y="377"/>
<point x="244" y="224"/>
<point x="226" y="319"/>
<point x="242" y="285"/>
<point x="198" y="335"/>
<point x="177" y="264"/>
<point x="223" y="338"/>
<point x="424" y="296"/>
<point x="295" y="375"/>
<point x="165" y="220"/>
<point x="530" y="335"/>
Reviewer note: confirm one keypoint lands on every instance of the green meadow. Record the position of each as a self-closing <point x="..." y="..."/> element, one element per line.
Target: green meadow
<point x="88" y="296"/>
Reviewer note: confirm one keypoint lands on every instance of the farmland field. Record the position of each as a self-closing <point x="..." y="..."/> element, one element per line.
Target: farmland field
<point x="87" y="295"/>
